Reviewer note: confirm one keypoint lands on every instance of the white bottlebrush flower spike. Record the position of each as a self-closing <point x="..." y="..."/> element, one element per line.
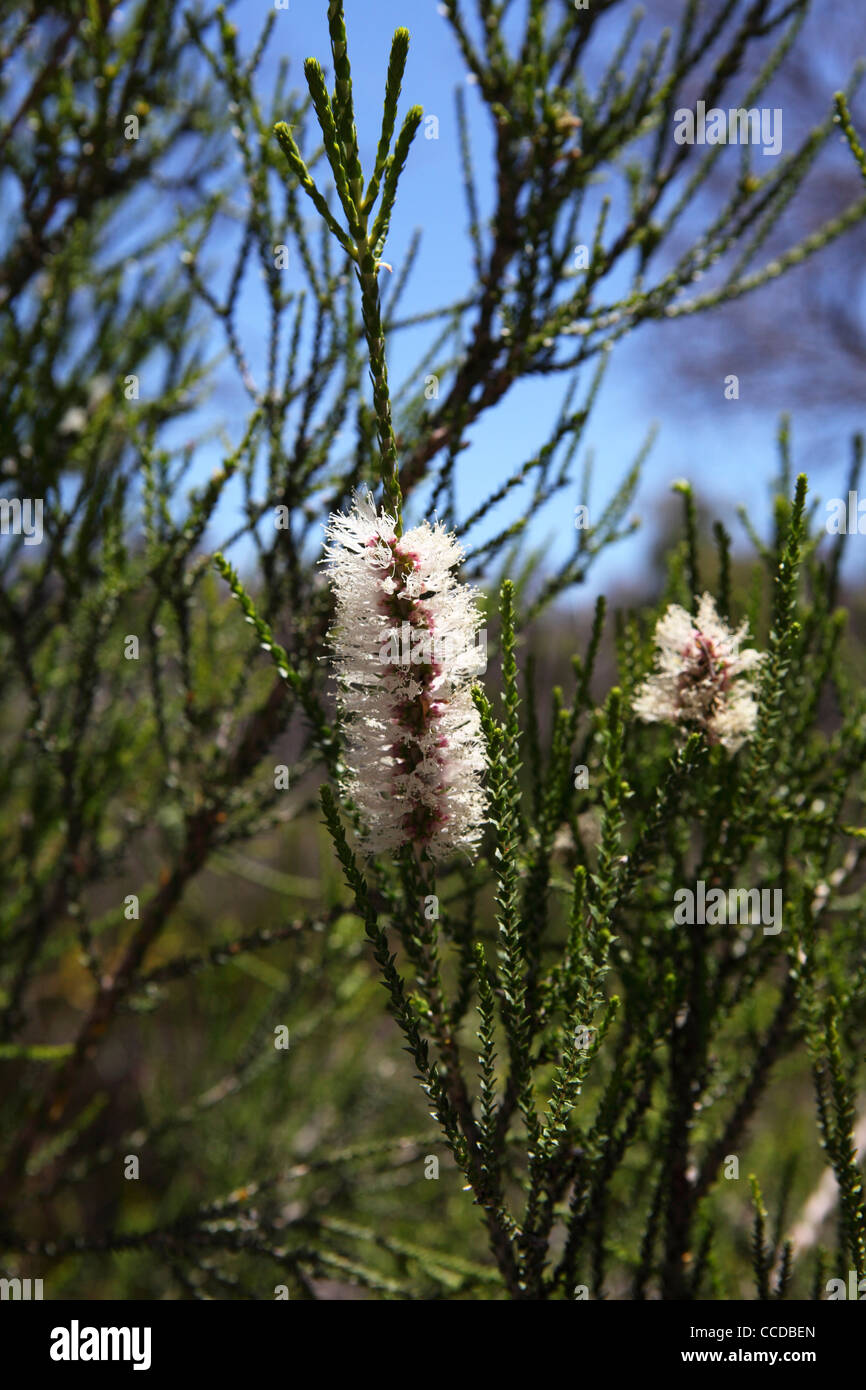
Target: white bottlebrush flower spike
<point x="405" y="653"/>
<point x="695" y="682"/>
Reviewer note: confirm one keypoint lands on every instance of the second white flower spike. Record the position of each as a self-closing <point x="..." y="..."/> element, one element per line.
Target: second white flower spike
<point x="696" y="682"/>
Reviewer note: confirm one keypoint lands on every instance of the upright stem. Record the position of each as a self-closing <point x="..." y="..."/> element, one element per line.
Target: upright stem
<point x="371" y="312"/>
<point x="362" y="243"/>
